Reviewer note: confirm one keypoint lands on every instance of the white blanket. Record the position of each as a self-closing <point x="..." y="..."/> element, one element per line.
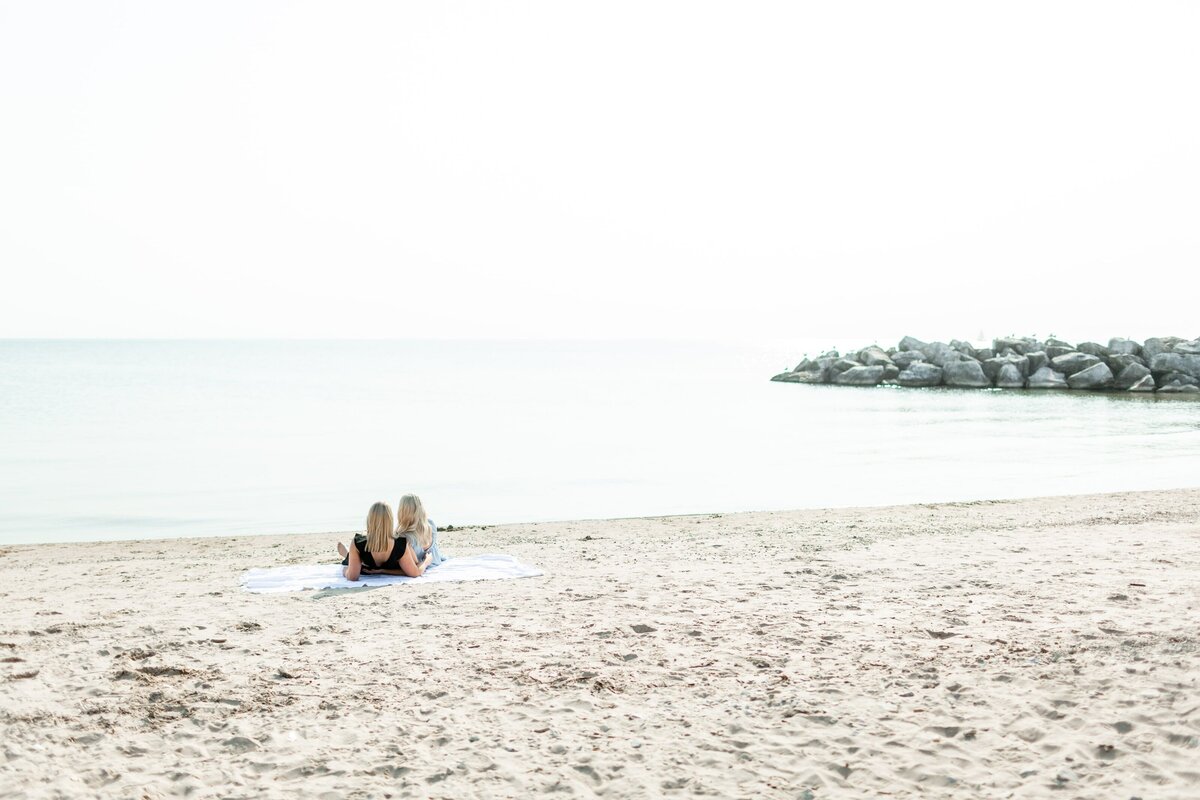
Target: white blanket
<point x="486" y="567"/>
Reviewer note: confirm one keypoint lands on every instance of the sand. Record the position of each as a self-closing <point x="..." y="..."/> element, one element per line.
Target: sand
<point x="1025" y="648"/>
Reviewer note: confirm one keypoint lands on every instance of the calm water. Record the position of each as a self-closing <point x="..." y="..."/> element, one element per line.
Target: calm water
<point x="104" y="440"/>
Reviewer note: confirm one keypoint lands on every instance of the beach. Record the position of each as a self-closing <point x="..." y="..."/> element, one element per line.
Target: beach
<point x="1016" y="648"/>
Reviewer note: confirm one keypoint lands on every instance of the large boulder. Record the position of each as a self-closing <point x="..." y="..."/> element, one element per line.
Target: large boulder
<point x="1053" y="351"/>
<point x="1046" y="378"/>
<point x="1022" y="345"/>
<point x="905" y="358"/>
<point x="984" y="353"/>
<point x="1176" y="362"/>
<point x="1070" y="363"/>
<point x="1056" y="342"/>
<point x="843" y="364"/>
<point x="1177" y="377"/>
<point x="873" y="356"/>
<point x="890" y="371"/>
<point x="911" y="343"/>
<point x="1010" y="377"/>
<point x="1158" y="344"/>
<point x="1119" y="361"/>
<point x="1145" y="384"/>
<point x="1097" y="376"/>
<point x="963" y="347"/>
<point x="1093" y="349"/>
<point x="1037" y="360"/>
<point x="859" y="376"/>
<point x="941" y="354"/>
<point x="1134" y="373"/>
<point x="1124" y="347"/>
<point x="920" y="373"/>
<point x="1191" y="348"/>
<point x="965" y="375"/>
<point x="1179" y="388"/>
<point x="992" y="366"/>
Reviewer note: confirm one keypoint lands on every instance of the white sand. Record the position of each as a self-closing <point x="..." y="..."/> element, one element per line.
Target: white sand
<point x="998" y="649"/>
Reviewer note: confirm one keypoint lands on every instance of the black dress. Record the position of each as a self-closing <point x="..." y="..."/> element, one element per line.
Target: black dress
<point x="393" y="560"/>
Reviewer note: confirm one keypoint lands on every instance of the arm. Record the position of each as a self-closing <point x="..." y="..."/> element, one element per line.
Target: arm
<point x="352" y="569"/>
<point x="409" y="565"/>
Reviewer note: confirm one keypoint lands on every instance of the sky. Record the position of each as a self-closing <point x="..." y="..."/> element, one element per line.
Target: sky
<point x="603" y="170"/>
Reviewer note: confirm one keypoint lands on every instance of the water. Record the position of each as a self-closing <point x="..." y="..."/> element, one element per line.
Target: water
<point x="118" y="439"/>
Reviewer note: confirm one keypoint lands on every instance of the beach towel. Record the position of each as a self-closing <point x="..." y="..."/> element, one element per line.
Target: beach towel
<point x="486" y="567"/>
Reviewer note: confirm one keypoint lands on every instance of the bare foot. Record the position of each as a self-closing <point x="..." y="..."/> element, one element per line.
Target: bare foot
<point x="342" y="551"/>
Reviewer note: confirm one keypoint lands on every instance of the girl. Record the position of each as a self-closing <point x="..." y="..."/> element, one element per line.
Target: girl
<point x="420" y="531"/>
<point x="381" y="551"/>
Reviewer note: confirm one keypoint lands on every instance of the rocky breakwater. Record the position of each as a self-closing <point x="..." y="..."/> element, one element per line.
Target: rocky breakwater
<point x="1167" y="365"/>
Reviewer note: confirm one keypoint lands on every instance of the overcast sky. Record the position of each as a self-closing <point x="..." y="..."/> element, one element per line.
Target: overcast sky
<point x="604" y="169"/>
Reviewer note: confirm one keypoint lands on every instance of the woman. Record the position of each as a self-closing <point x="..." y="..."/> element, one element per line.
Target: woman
<point x="382" y="551"/>
<point x="414" y="525"/>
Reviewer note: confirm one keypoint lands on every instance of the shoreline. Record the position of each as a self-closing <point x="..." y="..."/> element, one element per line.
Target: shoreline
<point x="1007" y="647"/>
<point x="454" y="528"/>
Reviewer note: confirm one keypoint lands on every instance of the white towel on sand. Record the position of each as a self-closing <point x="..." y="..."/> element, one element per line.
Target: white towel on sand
<point x="486" y="567"/>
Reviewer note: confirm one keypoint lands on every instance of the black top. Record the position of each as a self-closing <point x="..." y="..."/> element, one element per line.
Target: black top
<point x="368" y="560"/>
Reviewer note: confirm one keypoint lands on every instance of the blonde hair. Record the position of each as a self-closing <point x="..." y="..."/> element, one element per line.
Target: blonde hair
<point x="379" y="527"/>
<point x="411" y="521"/>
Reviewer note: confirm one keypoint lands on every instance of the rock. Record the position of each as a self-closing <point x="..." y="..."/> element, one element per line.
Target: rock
<point x="1119" y="361"/>
<point x="1157" y="345"/>
<point x="941" y="354"/>
<point x="805" y="365"/>
<point x="1093" y="349"/>
<point x="1191" y="348"/>
<point x="907" y="357"/>
<point x="1010" y="377"/>
<point x="920" y="373"/>
<point x="984" y="353"/>
<point x="811" y="376"/>
<point x="1053" y="351"/>
<point x="1132" y="374"/>
<point x="843" y="364"/>
<point x="1179" y="388"/>
<point x="909" y="343"/>
<point x="1037" y="360"/>
<point x="859" y="376"/>
<point x="1176" y="362"/>
<point x="1046" y="378"/>
<point x="1006" y="343"/>
<point x="873" y="355"/>
<point x="1097" y="376"/>
<point x="1144" y="384"/>
<point x="1124" y="347"/>
<point x="965" y="375"/>
<point x="1178" y="377"/>
<point x="992" y="366"/>
<point x="890" y="371"/>
<point x="1053" y="342"/>
<point x="963" y="347"/>
<point x="1070" y="363"/>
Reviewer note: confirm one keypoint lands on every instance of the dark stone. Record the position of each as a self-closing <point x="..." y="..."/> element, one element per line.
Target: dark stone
<point x="1156" y="345"/>
<point x="992" y="366"/>
<point x="941" y="354"/>
<point x="911" y="343"/>
<point x="1178" y="377"/>
<point x="1097" y="376"/>
<point x="1131" y="375"/>
<point x="1037" y="360"/>
<point x="873" y="356"/>
<point x="1093" y="349"/>
<point x="811" y="376"/>
<point x="984" y="353"/>
<point x="906" y="357"/>
<point x="890" y="371"/>
<point x="859" y="376"/>
<point x="920" y="373"/>
<point x="1010" y="377"/>
<point x="1046" y="378"/>
<point x="1053" y="351"/>
<point x="1144" y="384"/>
<point x="1119" y="361"/>
<point x="1179" y="388"/>
<point x="1070" y="363"/>
<point x="843" y="364"/>
<point x="965" y="375"/>
<point x="1191" y="348"/>
<point x="1124" y="347"/>
<point x="1176" y="362"/>
<point x="963" y="347"/>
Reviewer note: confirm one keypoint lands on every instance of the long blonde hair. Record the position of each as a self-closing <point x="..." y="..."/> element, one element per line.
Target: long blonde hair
<point x="379" y="528"/>
<point x="411" y="521"/>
